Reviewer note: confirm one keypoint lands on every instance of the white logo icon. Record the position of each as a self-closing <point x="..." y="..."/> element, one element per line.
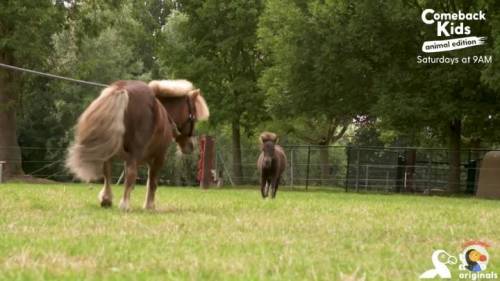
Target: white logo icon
<point x="440" y="258"/>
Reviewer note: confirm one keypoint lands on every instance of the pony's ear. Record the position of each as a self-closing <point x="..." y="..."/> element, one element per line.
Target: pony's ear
<point x="202" y="112"/>
<point x="268" y="136"/>
<point x="194" y="93"/>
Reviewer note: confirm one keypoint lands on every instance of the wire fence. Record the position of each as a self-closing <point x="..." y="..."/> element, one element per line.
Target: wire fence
<point x="178" y="170"/>
<point x="352" y="168"/>
<point x="388" y="169"/>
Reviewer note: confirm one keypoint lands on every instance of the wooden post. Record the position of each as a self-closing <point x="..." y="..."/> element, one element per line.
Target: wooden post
<point x="207" y="163"/>
<point x="1" y="170"/>
<point x="291" y="167"/>
<point x="367" y="175"/>
<point x="308" y="163"/>
<point x="346" y="184"/>
<point x="357" y="170"/>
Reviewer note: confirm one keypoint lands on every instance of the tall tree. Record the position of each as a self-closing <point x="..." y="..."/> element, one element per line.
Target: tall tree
<point x="147" y="36"/>
<point x="25" y="30"/>
<point x="438" y="98"/>
<point x="98" y="44"/>
<point x="212" y="42"/>
<point x="319" y="65"/>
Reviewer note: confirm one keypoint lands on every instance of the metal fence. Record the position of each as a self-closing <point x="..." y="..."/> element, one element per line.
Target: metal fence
<point x="391" y="169"/>
<point x="409" y="169"/>
<point x="306" y="166"/>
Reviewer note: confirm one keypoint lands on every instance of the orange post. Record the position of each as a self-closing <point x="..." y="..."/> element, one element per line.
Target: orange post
<point x="206" y="163"/>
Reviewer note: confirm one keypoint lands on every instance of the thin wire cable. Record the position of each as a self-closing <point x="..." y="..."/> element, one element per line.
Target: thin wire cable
<point x="52" y="75"/>
<point x="46" y="166"/>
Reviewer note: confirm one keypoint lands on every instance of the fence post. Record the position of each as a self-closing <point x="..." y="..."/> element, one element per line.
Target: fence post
<point x="429" y="175"/>
<point x="225" y="168"/>
<point x="1" y="170"/>
<point x="347" y="170"/>
<point x="308" y="163"/>
<point x="207" y="161"/>
<point x="386" y="181"/>
<point x="367" y="173"/>
<point x="291" y="168"/>
<point x="357" y="170"/>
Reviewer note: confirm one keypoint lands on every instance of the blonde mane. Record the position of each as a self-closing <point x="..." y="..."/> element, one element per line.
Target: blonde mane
<point x="171" y="88"/>
<point x="268" y="136"/>
<point x="181" y="88"/>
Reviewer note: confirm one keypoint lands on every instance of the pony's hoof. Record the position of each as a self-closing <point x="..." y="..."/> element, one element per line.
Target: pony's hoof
<point x="106" y="199"/>
<point x="124" y="206"/>
<point x="106" y="203"/>
<point x="150" y="207"/>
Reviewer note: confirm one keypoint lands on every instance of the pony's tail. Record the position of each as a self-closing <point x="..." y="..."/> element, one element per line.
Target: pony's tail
<point x="98" y="134"/>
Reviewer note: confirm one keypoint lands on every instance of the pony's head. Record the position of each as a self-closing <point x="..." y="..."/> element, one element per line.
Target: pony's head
<point x="268" y="141"/>
<point x="185" y="106"/>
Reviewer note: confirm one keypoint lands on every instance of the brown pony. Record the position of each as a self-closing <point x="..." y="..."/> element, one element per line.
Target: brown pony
<point x="134" y="122"/>
<point x="271" y="164"/>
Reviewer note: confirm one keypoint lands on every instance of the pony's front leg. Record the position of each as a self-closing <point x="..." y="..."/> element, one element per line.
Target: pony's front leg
<point x="130" y="177"/>
<point x="106" y="195"/>
<point x="153" y="170"/>
<point x="263" y="184"/>
<point x="275" y="182"/>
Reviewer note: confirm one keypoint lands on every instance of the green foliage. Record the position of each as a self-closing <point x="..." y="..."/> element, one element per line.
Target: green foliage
<point x="430" y="96"/>
<point x="25" y="29"/>
<point x="491" y="74"/>
<point x="213" y="43"/>
<point x="305" y="69"/>
<point x="320" y="64"/>
<point x="53" y="106"/>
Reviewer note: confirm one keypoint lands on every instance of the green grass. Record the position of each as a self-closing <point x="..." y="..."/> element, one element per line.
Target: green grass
<point x="58" y="232"/>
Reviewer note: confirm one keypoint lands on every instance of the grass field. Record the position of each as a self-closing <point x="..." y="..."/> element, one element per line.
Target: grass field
<point x="58" y="232"/>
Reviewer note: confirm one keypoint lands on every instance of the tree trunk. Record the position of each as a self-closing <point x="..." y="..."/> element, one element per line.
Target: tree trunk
<point x="455" y="133"/>
<point x="9" y="148"/>
<point x="325" y="164"/>
<point x="237" y="169"/>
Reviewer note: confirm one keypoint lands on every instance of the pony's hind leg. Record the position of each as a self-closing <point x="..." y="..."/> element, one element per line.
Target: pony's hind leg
<point x="153" y="170"/>
<point x="106" y="195"/>
<point x="130" y="177"/>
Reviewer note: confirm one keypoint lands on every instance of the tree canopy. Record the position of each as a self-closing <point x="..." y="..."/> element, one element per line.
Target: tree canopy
<point x="312" y="70"/>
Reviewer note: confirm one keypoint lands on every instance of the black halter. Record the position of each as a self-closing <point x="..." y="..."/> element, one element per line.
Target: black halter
<point x="189" y="122"/>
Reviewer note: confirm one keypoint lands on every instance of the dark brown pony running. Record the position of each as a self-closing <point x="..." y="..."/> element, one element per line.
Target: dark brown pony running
<point x="134" y="122"/>
<point x="271" y="164"/>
